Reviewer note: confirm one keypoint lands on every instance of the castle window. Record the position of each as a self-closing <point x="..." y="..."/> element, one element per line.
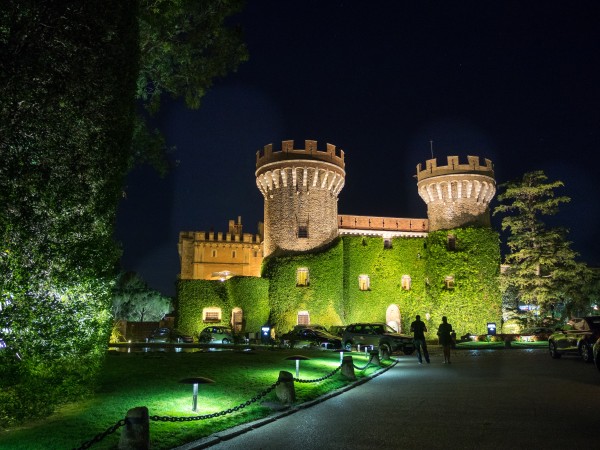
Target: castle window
<point x="302" y="278"/>
<point x="233" y="254"/>
<point x="449" y="280"/>
<point x="364" y="282"/>
<point x="211" y="315"/>
<point x="451" y="243"/>
<point x="387" y="243"/>
<point x="214" y="253"/>
<point x="237" y="319"/>
<point x="303" y="318"/>
<point x="255" y="254"/>
<point x="406" y="282"/>
<point x="302" y="232"/>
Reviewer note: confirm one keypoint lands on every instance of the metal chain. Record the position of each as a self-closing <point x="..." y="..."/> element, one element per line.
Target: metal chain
<point x="100" y="436"/>
<point x="367" y="365"/>
<point x="316" y="380"/>
<point x="217" y="414"/>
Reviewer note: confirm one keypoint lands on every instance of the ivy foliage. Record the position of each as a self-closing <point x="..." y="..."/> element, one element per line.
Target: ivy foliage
<point x="474" y="300"/>
<point x="385" y="268"/>
<point x="333" y="295"/>
<point x="247" y="293"/>
<point x="322" y="298"/>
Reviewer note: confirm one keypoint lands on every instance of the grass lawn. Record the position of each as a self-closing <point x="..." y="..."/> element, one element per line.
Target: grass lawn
<point x="152" y="380"/>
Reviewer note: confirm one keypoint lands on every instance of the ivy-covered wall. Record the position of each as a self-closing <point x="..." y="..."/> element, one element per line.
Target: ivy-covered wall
<point x="385" y="268"/>
<point x="333" y="296"/>
<point x="323" y="296"/>
<point x="248" y="293"/>
<point x="475" y="298"/>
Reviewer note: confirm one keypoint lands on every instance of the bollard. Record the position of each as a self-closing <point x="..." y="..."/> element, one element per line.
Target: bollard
<point x="135" y="435"/>
<point x="285" y="390"/>
<point x="347" y="369"/>
<point x="374" y="354"/>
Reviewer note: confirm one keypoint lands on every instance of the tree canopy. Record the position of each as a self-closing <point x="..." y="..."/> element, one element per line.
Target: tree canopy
<point x="541" y="265"/>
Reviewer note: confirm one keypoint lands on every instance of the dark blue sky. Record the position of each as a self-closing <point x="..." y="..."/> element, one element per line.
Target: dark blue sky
<point x="515" y="82"/>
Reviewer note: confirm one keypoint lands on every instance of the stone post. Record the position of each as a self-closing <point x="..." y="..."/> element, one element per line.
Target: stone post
<point x="374" y="354"/>
<point x="135" y="435"/>
<point x="348" y="368"/>
<point x="285" y="389"/>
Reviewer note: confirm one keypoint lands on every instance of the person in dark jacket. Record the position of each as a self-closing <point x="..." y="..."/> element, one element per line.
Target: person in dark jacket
<point x="418" y="328"/>
<point x="445" y="336"/>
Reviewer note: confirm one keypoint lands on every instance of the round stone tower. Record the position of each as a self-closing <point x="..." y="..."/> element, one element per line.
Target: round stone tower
<point x="300" y="188"/>
<point x="457" y="195"/>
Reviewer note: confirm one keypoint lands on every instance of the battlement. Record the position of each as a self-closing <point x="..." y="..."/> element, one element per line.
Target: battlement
<point x="454" y="167"/>
<point x="288" y="152"/>
<point x="220" y="237"/>
<point x="351" y="222"/>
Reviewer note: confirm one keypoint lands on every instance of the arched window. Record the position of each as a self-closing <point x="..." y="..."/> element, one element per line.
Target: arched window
<point x="237" y="317"/>
<point x="214" y="253"/>
<point x="233" y="254"/>
<point x="364" y="282"/>
<point x="406" y="282"/>
<point x="302" y="278"/>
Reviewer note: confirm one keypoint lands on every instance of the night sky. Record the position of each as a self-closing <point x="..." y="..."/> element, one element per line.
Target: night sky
<point x="515" y="82"/>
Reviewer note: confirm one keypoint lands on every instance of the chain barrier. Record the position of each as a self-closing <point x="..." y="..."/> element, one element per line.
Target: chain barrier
<point x="316" y="380"/>
<point x="100" y="436"/>
<point x="217" y="414"/>
<point x="254" y="399"/>
<point x="367" y="365"/>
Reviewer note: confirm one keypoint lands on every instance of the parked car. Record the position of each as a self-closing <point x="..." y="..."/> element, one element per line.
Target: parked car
<point x="577" y="340"/>
<point x="311" y="326"/>
<point x="308" y="337"/>
<point x="337" y="330"/>
<point x="380" y="335"/>
<point x="536" y="333"/>
<point x="596" y="353"/>
<point x="216" y="335"/>
<point x="168" y="335"/>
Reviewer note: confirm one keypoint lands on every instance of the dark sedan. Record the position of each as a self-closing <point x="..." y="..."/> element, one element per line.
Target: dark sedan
<point x="578" y="340"/>
<point x="167" y="335"/>
<point x="309" y="338"/>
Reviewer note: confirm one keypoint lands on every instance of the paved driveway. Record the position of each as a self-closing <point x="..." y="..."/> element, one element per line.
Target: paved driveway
<point x="490" y="399"/>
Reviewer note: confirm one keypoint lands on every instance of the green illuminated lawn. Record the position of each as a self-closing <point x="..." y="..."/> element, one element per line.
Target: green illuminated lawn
<point x="151" y="380"/>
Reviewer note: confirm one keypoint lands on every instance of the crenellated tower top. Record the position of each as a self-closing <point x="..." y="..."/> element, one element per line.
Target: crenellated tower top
<point x="457" y="195"/>
<point x="300" y="189"/>
<point x="310" y="151"/>
<point x="454" y="167"/>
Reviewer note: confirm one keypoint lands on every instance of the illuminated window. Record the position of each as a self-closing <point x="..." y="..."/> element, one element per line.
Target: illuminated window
<point x="214" y="253"/>
<point x="449" y="280"/>
<point x="302" y="278"/>
<point x="303" y="318"/>
<point x="237" y="319"/>
<point x="364" y="283"/>
<point x="387" y="243"/>
<point x="211" y="315"/>
<point x="451" y="243"/>
<point x="406" y="281"/>
<point x="303" y="232"/>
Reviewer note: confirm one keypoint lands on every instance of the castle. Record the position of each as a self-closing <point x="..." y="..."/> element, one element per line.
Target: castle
<point x="393" y="261"/>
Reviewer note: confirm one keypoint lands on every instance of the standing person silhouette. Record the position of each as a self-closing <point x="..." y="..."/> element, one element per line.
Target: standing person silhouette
<point x="418" y="328"/>
<point x="445" y="336"/>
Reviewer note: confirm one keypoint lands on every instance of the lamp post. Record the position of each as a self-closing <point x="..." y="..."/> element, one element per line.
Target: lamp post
<point x="195" y="382"/>
<point x="297" y="358"/>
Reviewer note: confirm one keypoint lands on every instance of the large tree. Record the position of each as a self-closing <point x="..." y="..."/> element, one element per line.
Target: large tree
<point x="541" y="267"/>
<point x="70" y="73"/>
<point x="134" y="301"/>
